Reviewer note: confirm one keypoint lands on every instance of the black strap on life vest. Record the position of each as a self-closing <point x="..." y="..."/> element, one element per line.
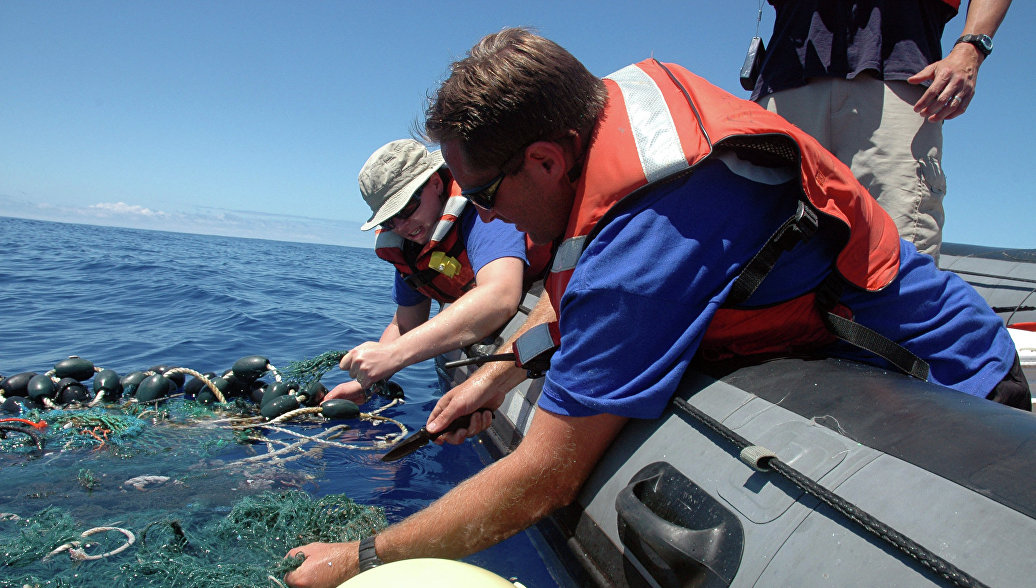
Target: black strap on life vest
<point x="797" y="229"/>
<point x="828" y="294"/>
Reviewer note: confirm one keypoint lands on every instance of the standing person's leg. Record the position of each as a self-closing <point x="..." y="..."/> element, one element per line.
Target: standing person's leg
<point x="899" y="160"/>
<point x="807" y="107"/>
<point x="870" y="125"/>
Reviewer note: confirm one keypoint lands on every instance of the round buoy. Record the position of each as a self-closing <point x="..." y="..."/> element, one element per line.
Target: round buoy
<point x="339" y="408"/>
<point x="17" y="385"/>
<point x="427" y="573"/>
<point x="236" y="387"/>
<point x="205" y="395"/>
<point x="155" y="387"/>
<point x="195" y="385"/>
<point x="74" y="367"/>
<point x="41" y="387"/>
<point x="177" y="378"/>
<point x="276" y="390"/>
<point x="19" y="404"/>
<point x="258" y="389"/>
<point x="313" y="392"/>
<point x="250" y="368"/>
<point x="279" y="406"/>
<point x="69" y="390"/>
<point x="107" y="381"/>
<point x="130" y="382"/>
<point x="388" y="389"/>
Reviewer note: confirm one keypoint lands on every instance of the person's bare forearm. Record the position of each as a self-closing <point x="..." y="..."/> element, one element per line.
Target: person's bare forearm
<point x="471" y="318"/>
<point x="544" y="473"/>
<point x="985" y="16"/>
<point x="486" y="387"/>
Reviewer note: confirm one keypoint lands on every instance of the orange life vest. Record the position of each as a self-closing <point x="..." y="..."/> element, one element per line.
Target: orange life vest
<point x="441" y="269"/>
<point x="660" y="122"/>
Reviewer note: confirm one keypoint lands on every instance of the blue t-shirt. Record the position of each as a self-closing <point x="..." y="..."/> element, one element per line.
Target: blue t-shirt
<point x="484" y="242"/>
<point x="646" y="288"/>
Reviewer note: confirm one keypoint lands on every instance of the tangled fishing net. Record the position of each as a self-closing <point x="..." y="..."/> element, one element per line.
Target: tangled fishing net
<point x="244" y="548"/>
<point x="165" y="482"/>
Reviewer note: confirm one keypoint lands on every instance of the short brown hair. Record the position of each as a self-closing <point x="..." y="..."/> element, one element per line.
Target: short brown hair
<point x="513" y="88"/>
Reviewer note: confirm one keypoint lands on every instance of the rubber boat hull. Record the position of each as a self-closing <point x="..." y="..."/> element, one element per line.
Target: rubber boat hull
<point x="671" y="503"/>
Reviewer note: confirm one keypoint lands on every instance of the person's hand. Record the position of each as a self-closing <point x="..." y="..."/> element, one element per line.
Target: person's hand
<point x="327" y="565"/>
<point x="369" y="362"/>
<point x="350" y="390"/>
<point x="952" y="84"/>
<point x="466" y="398"/>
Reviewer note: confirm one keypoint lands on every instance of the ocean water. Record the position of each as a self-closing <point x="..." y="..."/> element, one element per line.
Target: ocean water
<point x="130" y="299"/>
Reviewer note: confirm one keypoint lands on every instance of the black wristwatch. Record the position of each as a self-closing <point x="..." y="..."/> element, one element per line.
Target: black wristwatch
<point x="368" y="555"/>
<point x="984" y="43"/>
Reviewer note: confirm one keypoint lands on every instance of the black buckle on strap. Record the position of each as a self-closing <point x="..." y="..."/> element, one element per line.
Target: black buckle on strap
<point x="800" y="227"/>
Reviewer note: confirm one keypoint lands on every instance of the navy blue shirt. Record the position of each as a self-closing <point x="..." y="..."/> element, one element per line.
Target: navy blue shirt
<point x="890" y="39"/>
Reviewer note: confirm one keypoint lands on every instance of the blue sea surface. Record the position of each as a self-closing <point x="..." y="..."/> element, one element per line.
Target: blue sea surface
<point x="130" y="299"/>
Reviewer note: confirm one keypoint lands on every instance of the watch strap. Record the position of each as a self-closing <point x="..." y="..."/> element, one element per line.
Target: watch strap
<point x="984" y="43"/>
<point x="368" y="555"/>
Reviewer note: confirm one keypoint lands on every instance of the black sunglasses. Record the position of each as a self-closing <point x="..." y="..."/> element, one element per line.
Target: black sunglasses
<point x="408" y="211"/>
<point x="484" y="195"/>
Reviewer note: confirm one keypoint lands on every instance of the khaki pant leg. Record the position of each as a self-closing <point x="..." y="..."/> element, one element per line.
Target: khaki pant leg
<point x="870" y="125"/>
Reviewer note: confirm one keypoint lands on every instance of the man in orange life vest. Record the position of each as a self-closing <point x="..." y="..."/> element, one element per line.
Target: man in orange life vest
<point x="441" y="251"/>
<point x="663" y="188"/>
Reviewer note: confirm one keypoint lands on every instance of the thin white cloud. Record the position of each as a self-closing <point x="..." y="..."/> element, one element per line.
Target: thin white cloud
<point x="203" y="220"/>
<point x="126" y="209"/>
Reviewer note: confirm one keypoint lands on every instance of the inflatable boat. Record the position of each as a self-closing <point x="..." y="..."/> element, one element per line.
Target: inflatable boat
<point x="802" y="472"/>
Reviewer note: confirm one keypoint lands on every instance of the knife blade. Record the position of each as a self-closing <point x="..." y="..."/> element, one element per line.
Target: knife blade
<point x="423" y="437"/>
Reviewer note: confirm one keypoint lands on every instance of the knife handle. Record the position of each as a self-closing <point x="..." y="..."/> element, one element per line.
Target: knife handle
<point x="462" y="422"/>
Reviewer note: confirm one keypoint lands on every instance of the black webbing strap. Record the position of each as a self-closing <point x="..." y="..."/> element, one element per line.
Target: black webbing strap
<point x="828" y="294"/>
<point x="800" y="227"/>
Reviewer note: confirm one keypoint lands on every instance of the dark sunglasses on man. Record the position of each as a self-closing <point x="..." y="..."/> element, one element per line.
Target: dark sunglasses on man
<point x="484" y="195"/>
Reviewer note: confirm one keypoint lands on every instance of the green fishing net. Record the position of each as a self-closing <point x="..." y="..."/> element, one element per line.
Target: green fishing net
<point x="176" y="492"/>
<point x="178" y="548"/>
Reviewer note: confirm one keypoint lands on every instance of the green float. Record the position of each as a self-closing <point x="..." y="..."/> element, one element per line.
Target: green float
<point x="130" y="382"/>
<point x="107" y="381"/>
<point x="276" y="390"/>
<point x="250" y="368"/>
<point x="17" y="385"/>
<point x="177" y="378"/>
<point x="280" y="405"/>
<point x="340" y="408"/>
<point x="154" y="388"/>
<point x="74" y="367"/>
<point x="312" y="393"/>
<point x="41" y="387"/>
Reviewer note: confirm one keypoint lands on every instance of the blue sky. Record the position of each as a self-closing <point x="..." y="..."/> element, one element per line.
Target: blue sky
<point x="252" y="118"/>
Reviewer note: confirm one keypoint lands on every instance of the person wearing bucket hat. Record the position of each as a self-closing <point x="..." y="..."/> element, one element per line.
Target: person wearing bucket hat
<point x="442" y="251"/>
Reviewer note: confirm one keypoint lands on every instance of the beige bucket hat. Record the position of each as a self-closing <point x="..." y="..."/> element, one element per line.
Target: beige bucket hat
<point x="392" y="175"/>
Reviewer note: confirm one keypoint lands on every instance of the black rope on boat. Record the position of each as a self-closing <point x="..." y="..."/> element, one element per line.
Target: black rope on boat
<point x="852" y="512"/>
